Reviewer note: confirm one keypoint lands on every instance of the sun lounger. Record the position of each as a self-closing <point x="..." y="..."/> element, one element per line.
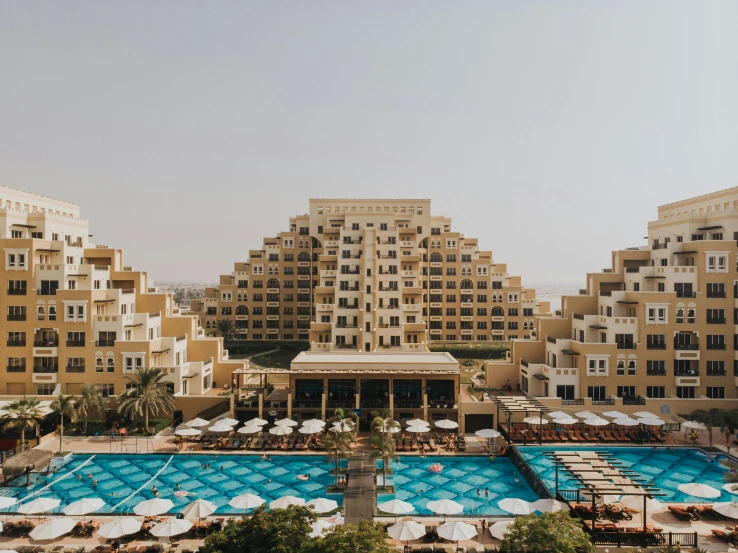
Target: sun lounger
<point x="681" y="513"/>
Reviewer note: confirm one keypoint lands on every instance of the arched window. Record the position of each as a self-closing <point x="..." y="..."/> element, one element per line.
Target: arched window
<point x="631" y="367"/>
<point x="52" y="313"/>
<point x="111" y="364"/>
<point x="41" y="313"/>
<point x="691" y="316"/>
<point x="621" y="367"/>
<point x="680" y="315"/>
<point x="98" y="364"/>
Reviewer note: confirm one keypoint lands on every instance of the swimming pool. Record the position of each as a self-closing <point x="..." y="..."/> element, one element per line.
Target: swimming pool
<point x="459" y="481"/>
<point x="125" y="480"/>
<point x="668" y="468"/>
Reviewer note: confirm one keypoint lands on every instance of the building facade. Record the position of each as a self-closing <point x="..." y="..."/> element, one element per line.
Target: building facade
<point x="74" y="313"/>
<point x="659" y="324"/>
<point x="370" y="275"/>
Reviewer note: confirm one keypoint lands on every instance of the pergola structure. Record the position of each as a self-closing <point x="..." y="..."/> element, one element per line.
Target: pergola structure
<point x="520" y="404"/>
<point x="600" y="474"/>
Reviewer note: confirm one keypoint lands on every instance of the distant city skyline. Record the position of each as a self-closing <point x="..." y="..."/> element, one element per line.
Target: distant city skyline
<point x="549" y="131"/>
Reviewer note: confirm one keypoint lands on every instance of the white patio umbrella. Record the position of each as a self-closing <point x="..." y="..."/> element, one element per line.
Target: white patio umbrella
<point x="536" y="420"/>
<point x="557" y="414"/>
<point x="500" y="528"/>
<point x="487" y="433"/>
<point x="625" y="421"/>
<point x="314" y="423"/>
<point x="199" y="508"/>
<point x="447" y="424"/>
<point x="285" y="422"/>
<point x="153" y="507"/>
<point x="614" y="414"/>
<point x="694" y="425"/>
<point x="651" y="422"/>
<point x="342" y="426"/>
<point x="515" y="506"/>
<point x="418" y="429"/>
<point x="280" y="430"/>
<point x="565" y="421"/>
<point x="232" y="422"/>
<point x="732" y="488"/>
<point x="697" y="489"/>
<point x="645" y="415"/>
<point x="456" y="531"/>
<point x="548" y="506"/>
<point x="52" y="529"/>
<point x="445" y="507"/>
<point x="6" y="502"/>
<point x="246" y="501"/>
<point x="413" y="422"/>
<point x="171" y="527"/>
<point x="84" y="506"/>
<point x="8" y="551"/>
<point x="319" y="528"/>
<point x="390" y="429"/>
<point x="308" y="430"/>
<point x="596" y="421"/>
<point x="585" y="414"/>
<point x="38" y="505"/>
<point x="220" y="426"/>
<point x="726" y="508"/>
<point x="635" y="502"/>
<point x="396" y="507"/>
<point x="197" y="422"/>
<point x="286" y="501"/>
<point x="249" y="429"/>
<point x="119" y="527"/>
<point x="187" y="431"/>
<point x="407" y="530"/>
<point x="322" y="505"/>
<point x="256" y="421"/>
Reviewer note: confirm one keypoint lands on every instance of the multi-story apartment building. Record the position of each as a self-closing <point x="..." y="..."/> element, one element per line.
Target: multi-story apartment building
<point x="660" y="323"/>
<point x="73" y="313"/>
<point x="370" y="275"/>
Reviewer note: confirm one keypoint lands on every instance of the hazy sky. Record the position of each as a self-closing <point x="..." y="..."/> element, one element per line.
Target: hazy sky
<point x="190" y="130"/>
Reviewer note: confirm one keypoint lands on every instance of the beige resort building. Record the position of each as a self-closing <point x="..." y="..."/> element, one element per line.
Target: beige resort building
<point x="371" y="275"/>
<point x="657" y="328"/>
<point x="75" y="313"/>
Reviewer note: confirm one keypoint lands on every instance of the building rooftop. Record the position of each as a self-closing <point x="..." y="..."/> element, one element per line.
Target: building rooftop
<point x="420" y="358"/>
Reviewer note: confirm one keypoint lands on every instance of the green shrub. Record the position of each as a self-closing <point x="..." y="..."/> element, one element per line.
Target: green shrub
<point x="481" y="352"/>
<point x="250" y="347"/>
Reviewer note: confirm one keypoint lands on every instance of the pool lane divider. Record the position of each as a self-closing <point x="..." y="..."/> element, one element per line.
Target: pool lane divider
<point x="149" y="481"/>
<point x="63" y="477"/>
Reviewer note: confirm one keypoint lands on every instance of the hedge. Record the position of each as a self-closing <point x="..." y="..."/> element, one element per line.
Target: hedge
<point x="249" y="347"/>
<point x="483" y="352"/>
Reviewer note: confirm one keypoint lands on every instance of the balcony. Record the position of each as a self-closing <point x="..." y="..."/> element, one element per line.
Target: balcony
<point x="105" y="343"/>
<point x="48" y="369"/>
<point x="408" y="403"/>
<point x="50" y="343"/>
<point x="307" y="404"/>
<point x="686" y="372"/>
<point x="656" y="346"/>
<point x="75" y="369"/>
<point x="16" y="343"/>
<point x="16" y="291"/>
<point x="634" y="400"/>
<point x="626" y="345"/>
<point x="75" y="343"/>
<point x="689" y="347"/>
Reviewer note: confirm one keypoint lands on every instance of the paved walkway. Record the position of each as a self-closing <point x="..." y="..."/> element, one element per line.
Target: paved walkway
<point x="358" y="501"/>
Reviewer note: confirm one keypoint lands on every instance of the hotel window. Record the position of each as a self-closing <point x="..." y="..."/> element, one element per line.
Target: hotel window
<point x="656" y="392"/>
<point x="715" y="392"/>
<point x="110" y="364"/>
<point x="107" y="390"/>
<point x="717" y="263"/>
<point x="686" y="392"/>
<point x="45" y="389"/>
<point x="597" y="393"/>
<point x="716" y="368"/>
<point x="655" y="368"/>
<point x="626" y="391"/>
<point x="680" y="315"/>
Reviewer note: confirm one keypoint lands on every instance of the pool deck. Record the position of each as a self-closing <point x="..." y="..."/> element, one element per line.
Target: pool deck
<point x="358" y="501"/>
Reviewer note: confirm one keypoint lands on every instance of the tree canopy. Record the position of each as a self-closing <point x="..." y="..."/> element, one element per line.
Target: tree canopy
<point x="366" y="537"/>
<point x="536" y="534"/>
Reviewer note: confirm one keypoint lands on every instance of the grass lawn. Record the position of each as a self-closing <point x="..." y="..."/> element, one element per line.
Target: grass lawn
<point x="468" y="372"/>
<point x="276" y="360"/>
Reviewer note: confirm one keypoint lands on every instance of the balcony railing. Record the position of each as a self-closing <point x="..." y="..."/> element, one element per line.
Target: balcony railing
<point x="105" y="343"/>
<point x="716" y="294"/>
<point x="75" y="369"/>
<point x="656" y="345"/>
<point x="16" y="317"/>
<point x="626" y="345"/>
<point x="16" y="343"/>
<point x="690" y="347"/>
<point x="686" y="294"/>
<point x="46" y="343"/>
<point x="307" y="404"/>
<point x="578" y="316"/>
<point x="686" y="372"/>
<point x="46" y="369"/>
<point x="75" y="343"/>
<point x="634" y="400"/>
<point x="715" y="346"/>
<point x="16" y="291"/>
<point x="16" y="368"/>
<point x="46" y="292"/>
<point x="716" y="321"/>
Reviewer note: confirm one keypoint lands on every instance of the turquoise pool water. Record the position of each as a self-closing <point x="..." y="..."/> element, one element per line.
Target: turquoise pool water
<point x="125" y="480"/>
<point x="459" y="481"/>
<point x="667" y="468"/>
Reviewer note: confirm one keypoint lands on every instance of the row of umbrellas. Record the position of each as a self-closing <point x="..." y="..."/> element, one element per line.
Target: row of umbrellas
<point x="591" y="419"/>
<point x="450" y="507"/>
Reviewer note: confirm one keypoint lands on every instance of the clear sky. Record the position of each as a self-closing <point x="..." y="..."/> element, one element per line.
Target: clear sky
<point x="189" y="130"/>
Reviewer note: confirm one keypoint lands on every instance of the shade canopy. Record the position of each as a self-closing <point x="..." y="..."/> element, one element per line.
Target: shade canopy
<point x="614" y="414"/>
<point x="187" y="431"/>
<point x="645" y="415"/>
<point x="407" y="530"/>
<point x="731" y="488"/>
<point x="390" y="429"/>
<point x="322" y="505"/>
<point x="249" y="429"/>
<point x="413" y="422"/>
<point x="199" y="508"/>
<point x="319" y="528"/>
<point x="286" y="501"/>
<point x="220" y="426"/>
<point x="596" y="421"/>
<point x="565" y="421"/>
<point x="694" y="425"/>
<point x="557" y="414"/>
<point x="257" y="421"/>
<point x="728" y="509"/>
<point x="280" y="430"/>
<point x="197" y="422"/>
<point x="33" y="459"/>
<point x="548" y="506"/>
<point x="535" y="420"/>
<point x="119" y="527"/>
<point x="651" y="422"/>
<point x="418" y="428"/>
<point x="314" y="423"/>
<point x="585" y="414"/>
<point x="246" y="501"/>
<point x="396" y="507"/>
<point x="38" y="505"/>
<point x="635" y="502"/>
<point x="500" y="528"/>
<point x="456" y="531"/>
<point x="285" y="422"/>
<point x="515" y="506"/>
<point x="447" y="424"/>
<point x="342" y="426"/>
<point x="52" y="529"/>
<point x="153" y="507"/>
<point x="697" y="489"/>
<point x="308" y="430"/>
<point x="487" y="433"/>
<point x="171" y="527"/>
<point x="445" y="507"/>
<point x="625" y="421"/>
<point x="226" y="420"/>
<point x="84" y="506"/>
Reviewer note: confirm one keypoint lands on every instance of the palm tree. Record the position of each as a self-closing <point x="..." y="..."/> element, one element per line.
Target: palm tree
<point x="382" y="442"/>
<point x="226" y="328"/>
<point x="149" y="394"/>
<point x="340" y="444"/>
<point x="712" y="418"/>
<point x="90" y="402"/>
<point x="22" y="414"/>
<point x="731" y="477"/>
<point x="64" y="406"/>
